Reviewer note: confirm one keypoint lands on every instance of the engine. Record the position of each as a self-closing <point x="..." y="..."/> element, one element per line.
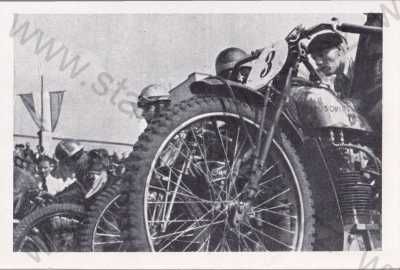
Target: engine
<point x="357" y="178"/>
<point x="357" y="174"/>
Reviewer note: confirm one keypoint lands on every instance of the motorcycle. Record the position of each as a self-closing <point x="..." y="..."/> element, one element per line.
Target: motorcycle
<point x="57" y="225"/>
<point x="258" y="164"/>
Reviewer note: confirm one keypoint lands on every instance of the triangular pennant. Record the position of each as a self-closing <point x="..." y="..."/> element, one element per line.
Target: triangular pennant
<point x="56" y="99"/>
<point x="29" y="103"/>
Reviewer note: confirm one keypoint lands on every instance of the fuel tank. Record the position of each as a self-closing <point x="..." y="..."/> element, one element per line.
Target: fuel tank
<point x="320" y="107"/>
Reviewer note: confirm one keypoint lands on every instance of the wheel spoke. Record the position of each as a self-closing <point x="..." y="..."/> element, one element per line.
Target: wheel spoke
<point x="251" y="240"/>
<point x="237" y="154"/>
<point x="204" y="156"/>
<point x="222" y="144"/>
<point x="201" y="151"/>
<point x="187" y="157"/>
<point x="204" y="215"/>
<point x="269" y="168"/>
<point x="236" y="141"/>
<point x="178" y="228"/>
<point x="154" y="236"/>
<point x="100" y="228"/>
<point x="111" y="224"/>
<point x="213" y="222"/>
<point x="228" y="248"/>
<point x="180" y="220"/>
<point x="235" y="157"/>
<point x="179" y="202"/>
<point x="267" y="235"/>
<point x="108" y="235"/>
<point x="181" y="233"/>
<point x="206" y="242"/>
<point x="273" y="225"/>
<point x="188" y="194"/>
<point x="223" y="239"/>
<point x="274" y="212"/>
<point x="279" y="206"/>
<point x="171" y="204"/>
<point x="107" y="243"/>
<point x="260" y="241"/>
<point x="156" y="213"/>
<point x="270" y="180"/>
<point x="272" y="198"/>
<point x="113" y="217"/>
<point x="191" y="228"/>
<point x="181" y="185"/>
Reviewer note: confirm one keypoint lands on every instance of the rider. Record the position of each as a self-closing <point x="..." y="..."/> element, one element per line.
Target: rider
<point x="330" y="53"/>
<point x="153" y="99"/>
<point x="86" y="171"/>
<point x="227" y="59"/>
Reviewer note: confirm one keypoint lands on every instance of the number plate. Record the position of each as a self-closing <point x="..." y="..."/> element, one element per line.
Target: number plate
<point x="267" y="65"/>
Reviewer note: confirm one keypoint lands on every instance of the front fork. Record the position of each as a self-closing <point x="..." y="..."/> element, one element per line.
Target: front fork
<point x="262" y="151"/>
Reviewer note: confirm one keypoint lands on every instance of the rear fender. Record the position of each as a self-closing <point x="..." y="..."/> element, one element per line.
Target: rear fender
<point x="215" y="87"/>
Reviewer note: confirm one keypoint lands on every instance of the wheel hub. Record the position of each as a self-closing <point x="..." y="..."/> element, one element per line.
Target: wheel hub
<point x="238" y="212"/>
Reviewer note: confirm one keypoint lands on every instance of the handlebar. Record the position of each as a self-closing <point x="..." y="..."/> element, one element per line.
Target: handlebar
<point x="359" y="29"/>
<point x="344" y="27"/>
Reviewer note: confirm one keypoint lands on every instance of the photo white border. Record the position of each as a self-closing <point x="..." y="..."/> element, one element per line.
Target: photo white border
<point x="302" y="260"/>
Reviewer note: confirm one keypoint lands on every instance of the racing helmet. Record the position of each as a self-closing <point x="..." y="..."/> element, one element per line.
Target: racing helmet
<point x="67" y="148"/>
<point x="227" y="59"/>
<point x="325" y="40"/>
<point x="151" y="94"/>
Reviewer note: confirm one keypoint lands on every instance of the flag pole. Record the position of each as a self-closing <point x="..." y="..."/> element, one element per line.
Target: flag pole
<point x="40" y="132"/>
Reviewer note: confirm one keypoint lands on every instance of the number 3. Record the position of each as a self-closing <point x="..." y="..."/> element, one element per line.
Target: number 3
<point x="268" y="60"/>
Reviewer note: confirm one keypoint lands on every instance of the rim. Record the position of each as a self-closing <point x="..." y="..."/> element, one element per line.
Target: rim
<point x="55" y="232"/>
<point x="183" y="213"/>
<point x="107" y="233"/>
<point x="33" y="243"/>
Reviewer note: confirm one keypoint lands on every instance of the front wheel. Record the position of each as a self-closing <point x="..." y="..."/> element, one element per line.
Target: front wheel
<point x="189" y="172"/>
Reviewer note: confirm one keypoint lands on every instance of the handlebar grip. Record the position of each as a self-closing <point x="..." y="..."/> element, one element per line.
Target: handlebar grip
<point x="359" y="29"/>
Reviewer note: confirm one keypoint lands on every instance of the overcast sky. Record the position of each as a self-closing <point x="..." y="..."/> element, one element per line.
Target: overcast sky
<point x="142" y="49"/>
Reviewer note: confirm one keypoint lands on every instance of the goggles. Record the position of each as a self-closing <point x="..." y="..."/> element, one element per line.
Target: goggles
<point x="147" y="101"/>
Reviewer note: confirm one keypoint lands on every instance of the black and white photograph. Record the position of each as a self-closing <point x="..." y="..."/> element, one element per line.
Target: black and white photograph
<point x="199" y="132"/>
<point x="224" y="163"/>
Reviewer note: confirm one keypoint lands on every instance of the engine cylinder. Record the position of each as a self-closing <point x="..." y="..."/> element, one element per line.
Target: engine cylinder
<point x="355" y="197"/>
